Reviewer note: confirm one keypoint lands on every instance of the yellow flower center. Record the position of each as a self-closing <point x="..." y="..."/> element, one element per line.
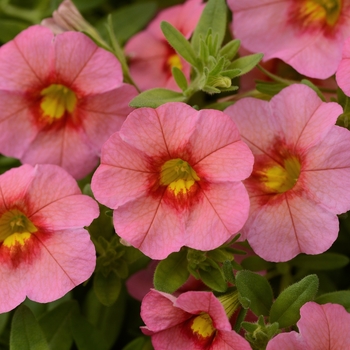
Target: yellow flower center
<point x="174" y="61"/>
<point x="279" y="179"/>
<point x="319" y="12"/>
<point x="15" y="227"/>
<point x="202" y="325"/>
<point x="57" y="99"/>
<point x="178" y="175"/>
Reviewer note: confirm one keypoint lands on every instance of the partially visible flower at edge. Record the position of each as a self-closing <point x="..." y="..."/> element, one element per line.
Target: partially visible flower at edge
<point x="44" y="249"/>
<point x="193" y="320"/>
<point x="321" y="327"/>
<point x="151" y="58"/>
<point x="62" y="97"/>
<point x="301" y="175"/>
<point x="173" y="177"/>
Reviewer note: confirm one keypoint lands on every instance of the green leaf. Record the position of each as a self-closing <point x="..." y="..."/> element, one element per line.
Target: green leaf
<point x="246" y="63"/>
<point x="140" y="343"/>
<point x="214" y="17"/>
<point x="229" y="51"/>
<point x="84" y="5"/>
<point x="179" y="43"/>
<point x="124" y="28"/>
<point x="269" y="88"/>
<point x="315" y="88"/>
<point x="85" y="335"/>
<point x="214" y="278"/>
<point x="255" y="263"/>
<point x="180" y="78"/>
<point x="257" y="289"/>
<point x="107" y="320"/>
<point x="325" y="261"/>
<point x="171" y="273"/>
<point x="55" y="325"/>
<point x="107" y="288"/>
<point x="286" y="309"/>
<point x="156" y="97"/>
<point x="341" y="297"/>
<point x="26" y="333"/>
<point x="9" y="28"/>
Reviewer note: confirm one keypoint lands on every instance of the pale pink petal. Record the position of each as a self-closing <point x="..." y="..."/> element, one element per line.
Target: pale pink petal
<point x="325" y="327"/>
<point x="67" y="147"/>
<point x="229" y="340"/>
<point x="162" y="131"/>
<point x="105" y="113"/>
<point x="220" y="214"/>
<point x="28" y="58"/>
<point x="327" y="171"/>
<point x="287" y="341"/>
<point x="80" y="63"/>
<point x="288" y="225"/>
<point x="150" y="225"/>
<point x="17" y="129"/>
<point x="343" y="71"/>
<point x="217" y="149"/>
<point x="66" y="259"/>
<point x="158" y="311"/>
<point x="198" y="302"/>
<point x="183" y="17"/>
<point x="124" y="174"/>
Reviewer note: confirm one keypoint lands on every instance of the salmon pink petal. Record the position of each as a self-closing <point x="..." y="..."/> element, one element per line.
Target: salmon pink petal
<point x="105" y="112"/>
<point x="292" y="225"/>
<point x="225" y="207"/>
<point x="65" y="261"/>
<point x="327" y="171"/>
<point x="229" y="340"/>
<point x="151" y="226"/>
<point x="164" y="130"/>
<point x="287" y="341"/>
<point x="85" y="66"/>
<point x="29" y="57"/>
<point x="124" y="174"/>
<point x="343" y="71"/>
<point x="170" y="315"/>
<point x="220" y="152"/>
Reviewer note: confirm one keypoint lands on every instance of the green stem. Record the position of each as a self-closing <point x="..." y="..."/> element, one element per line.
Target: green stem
<point x="276" y="77"/>
<point x="240" y="318"/>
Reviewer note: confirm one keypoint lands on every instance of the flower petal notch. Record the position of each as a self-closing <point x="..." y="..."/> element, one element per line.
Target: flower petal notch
<point x="62" y="97"/>
<point x="300" y="180"/>
<point x="44" y="249"/>
<point x="321" y="327"/>
<point x="194" y="320"/>
<point x="173" y="176"/>
<point x="307" y="34"/>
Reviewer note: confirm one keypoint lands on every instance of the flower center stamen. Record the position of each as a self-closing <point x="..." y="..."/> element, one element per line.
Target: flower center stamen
<point x="178" y="175"/>
<point x="174" y="61"/>
<point x="202" y="325"/>
<point x="57" y="100"/>
<point x="279" y="179"/>
<point x="15" y="227"/>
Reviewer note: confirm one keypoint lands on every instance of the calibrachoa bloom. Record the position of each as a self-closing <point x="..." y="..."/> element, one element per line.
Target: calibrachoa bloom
<point x="151" y="57"/>
<point x="194" y="320"/>
<point x="300" y="180"/>
<point x="61" y="98"/>
<point x="343" y="71"/>
<point x="173" y="176"/>
<point x="307" y="34"/>
<point x="44" y="249"/>
<point x="321" y="327"/>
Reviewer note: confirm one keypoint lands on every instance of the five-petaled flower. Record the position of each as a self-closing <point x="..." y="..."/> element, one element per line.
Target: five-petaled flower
<point x="61" y="98"/>
<point x="301" y="175"/>
<point x="307" y="34"/>
<point x="44" y="249"/>
<point x="193" y="320"/>
<point x="321" y="327"/>
<point x="173" y="177"/>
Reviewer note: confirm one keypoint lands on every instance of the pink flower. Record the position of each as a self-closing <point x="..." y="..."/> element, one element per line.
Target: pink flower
<point x="301" y="175"/>
<point x="151" y="57"/>
<point x="173" y="176"/>
<point x="194" y="320"/>
<point x="307" y="34"/>
<point x="61" y="98"/>
<point x="343" y="71"/>
<point x="321" y="327"/>
<point x="44" y="249"/>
